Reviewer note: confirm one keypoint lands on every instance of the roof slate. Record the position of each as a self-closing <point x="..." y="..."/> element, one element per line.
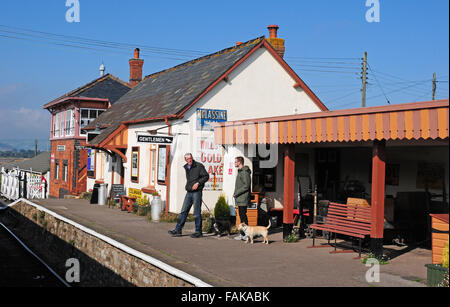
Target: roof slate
<point x="40" y="163"/>
<point x="106" y="87"/>
<point x="170" y="91"/>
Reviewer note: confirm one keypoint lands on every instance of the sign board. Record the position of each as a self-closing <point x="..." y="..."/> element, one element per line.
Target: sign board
<point x="117" y="190"/>
<point x="80" y="147"/>
<point x="211" y="156"/>
<point x="61" y="148"/>
<point x="155" y="139"/>
<point x="52" y="156"/>
<point x="207" y="117"/>
<point x="134" y="193"/>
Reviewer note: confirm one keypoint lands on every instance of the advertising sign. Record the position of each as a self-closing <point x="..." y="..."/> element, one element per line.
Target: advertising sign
<point x="134" y="193"/>
<point x="211" y="156"/>
<point x="207" y="117"/>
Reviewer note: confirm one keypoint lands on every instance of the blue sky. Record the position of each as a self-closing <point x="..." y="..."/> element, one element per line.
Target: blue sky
<point x="404" y="49"/>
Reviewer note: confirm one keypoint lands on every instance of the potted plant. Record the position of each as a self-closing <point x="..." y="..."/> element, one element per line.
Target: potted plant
<point x="143" y="206"/>
<point x="436" y="273"/>
<point x="222" y="210"/>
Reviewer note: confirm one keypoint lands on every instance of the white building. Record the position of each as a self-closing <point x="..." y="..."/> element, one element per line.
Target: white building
<point x="180" y="104"/>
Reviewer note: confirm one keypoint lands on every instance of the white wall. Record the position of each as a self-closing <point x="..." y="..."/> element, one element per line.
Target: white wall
<point x="260" y="87"/>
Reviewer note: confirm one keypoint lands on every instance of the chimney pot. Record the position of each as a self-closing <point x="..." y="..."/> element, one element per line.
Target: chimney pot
<point x="273" y="29"/>
<point x="136" y="53"/>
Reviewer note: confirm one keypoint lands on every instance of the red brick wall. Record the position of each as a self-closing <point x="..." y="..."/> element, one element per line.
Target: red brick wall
<point x="69" y="155"/>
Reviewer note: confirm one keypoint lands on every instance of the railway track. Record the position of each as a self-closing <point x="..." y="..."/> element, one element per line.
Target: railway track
<point x="20" y="267"/>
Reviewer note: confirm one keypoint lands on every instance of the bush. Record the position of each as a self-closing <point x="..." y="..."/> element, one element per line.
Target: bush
<point x="222" y="209"/>
<point x="445" y="256"/>
<point x="207" y="225"/>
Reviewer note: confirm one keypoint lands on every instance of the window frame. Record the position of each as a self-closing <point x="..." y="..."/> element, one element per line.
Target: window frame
<point x="56" y="174"/>
<point x="135" y="179"/>
<point x="165" y="166"/>
<point x="93" y="173"/>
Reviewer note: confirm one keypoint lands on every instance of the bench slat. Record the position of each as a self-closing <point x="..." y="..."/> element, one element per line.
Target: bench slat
<point x="356" y="230"/>
<point x="340" y="232"/>
<point x="347" y="219"/>
<point x="355" y="226"/>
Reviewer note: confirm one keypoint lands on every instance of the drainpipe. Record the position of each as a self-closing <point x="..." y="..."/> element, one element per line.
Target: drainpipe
<point x="166" y="119"/>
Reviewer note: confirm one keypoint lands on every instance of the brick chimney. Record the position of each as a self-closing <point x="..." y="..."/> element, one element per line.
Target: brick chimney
<point x="136" y="68"/>
<point x="276" y="42"/>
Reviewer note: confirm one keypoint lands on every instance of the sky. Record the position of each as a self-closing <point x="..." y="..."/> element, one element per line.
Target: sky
<point x="325" y="41"/>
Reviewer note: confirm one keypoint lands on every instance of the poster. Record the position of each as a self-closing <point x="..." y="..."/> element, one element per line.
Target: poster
<point x="211" y="156"/>
<point x="162" y="155"/>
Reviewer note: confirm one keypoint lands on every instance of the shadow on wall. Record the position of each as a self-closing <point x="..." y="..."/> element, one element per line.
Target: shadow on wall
<point x="55" y="251"/>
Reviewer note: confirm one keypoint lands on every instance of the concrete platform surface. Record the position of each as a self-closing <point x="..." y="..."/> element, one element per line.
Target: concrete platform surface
<point x="226" y="262"/>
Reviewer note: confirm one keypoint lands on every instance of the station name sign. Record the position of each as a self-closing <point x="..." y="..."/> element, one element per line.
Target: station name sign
<point x="154" y="139"/>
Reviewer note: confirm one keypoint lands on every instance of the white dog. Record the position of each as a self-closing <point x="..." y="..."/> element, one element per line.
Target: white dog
<point x="253" y="231"/>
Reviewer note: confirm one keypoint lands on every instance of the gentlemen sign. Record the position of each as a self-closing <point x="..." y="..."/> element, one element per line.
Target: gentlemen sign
<point x="153" y="139"/>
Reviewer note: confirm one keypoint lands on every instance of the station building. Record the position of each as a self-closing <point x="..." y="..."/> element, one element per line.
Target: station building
<point x="70" y="115"/>
<point x="143" y="137"/>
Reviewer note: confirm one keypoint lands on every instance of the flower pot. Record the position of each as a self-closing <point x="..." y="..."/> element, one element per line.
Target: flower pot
<point x="143" y="210"/>
<point x="435" y="274"/>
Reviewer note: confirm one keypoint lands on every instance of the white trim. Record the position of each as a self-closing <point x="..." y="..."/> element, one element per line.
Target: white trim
<point x="153" y="261"/>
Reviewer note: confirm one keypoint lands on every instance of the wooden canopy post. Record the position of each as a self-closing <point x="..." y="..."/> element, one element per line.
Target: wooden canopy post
<point x="289" y="180"/>
<point x="378" y="195"/>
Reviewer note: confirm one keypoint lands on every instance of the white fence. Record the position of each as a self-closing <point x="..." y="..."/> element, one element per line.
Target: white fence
<point x="19" y="183"/>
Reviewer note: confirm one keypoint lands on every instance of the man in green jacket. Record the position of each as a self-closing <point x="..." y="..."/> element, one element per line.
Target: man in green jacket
<point x="242" y="191"/>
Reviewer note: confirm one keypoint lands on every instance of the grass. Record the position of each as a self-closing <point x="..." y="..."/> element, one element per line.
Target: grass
<point x="381" y="261"/>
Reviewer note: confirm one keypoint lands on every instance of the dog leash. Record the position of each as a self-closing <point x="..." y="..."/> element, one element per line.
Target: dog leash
<point x="207" y="207"/>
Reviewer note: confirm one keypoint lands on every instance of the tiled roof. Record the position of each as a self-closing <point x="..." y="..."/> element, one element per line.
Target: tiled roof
<point x="106" y="87"/>
<point x="171" y="91"/>
<point x="40" y="163"/>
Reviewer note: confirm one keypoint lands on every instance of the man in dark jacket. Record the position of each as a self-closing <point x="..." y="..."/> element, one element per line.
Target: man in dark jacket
<point x="242" y="190"/>
<point x="196" y="177"/>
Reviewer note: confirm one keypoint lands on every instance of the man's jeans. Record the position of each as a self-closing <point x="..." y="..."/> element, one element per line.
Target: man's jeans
<point x="191" y="198"/>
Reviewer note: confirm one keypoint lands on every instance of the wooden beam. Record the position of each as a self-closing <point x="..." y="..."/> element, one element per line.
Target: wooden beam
<point x="378" y="195"/>
<point x="289" y="180"/>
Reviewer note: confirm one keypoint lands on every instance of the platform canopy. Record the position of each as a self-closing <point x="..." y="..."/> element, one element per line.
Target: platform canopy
<point x="419" y="120"/>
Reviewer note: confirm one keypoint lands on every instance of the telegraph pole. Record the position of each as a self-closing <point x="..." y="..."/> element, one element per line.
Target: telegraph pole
<point x="434" y="86"/>
<point x="364" y="80"/>
<point x="35" y="147"/>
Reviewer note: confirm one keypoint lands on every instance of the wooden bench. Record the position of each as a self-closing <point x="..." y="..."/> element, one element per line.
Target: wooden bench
<point x="348" y="219"/>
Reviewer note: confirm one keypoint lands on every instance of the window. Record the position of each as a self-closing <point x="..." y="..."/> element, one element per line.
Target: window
<point x="91" y="163"/>
<point x="56" y="169"/>
<point x="65" y="170"/>
<point x="162" y="157"/>
<point x="152" y="177"/>
<point x="264" y="179"/>
<point x="69" y="123"/>
<point x="56" y="125"/>
<point x="135" y="164"/>
<point x="88" y="116"/>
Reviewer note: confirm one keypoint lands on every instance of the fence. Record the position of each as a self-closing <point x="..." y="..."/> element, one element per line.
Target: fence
<point x="17" y="183"/>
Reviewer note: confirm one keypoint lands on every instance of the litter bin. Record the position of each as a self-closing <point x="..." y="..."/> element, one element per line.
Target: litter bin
<point x="102" y="194"/>
<point x="94" y="196"/>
